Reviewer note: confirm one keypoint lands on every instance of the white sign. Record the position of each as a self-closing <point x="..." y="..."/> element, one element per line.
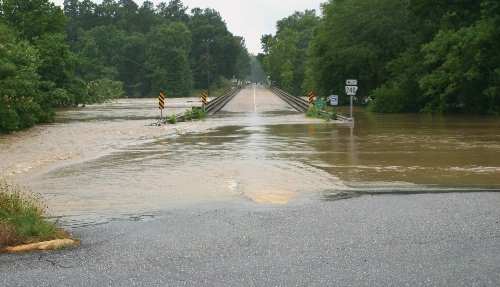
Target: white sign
<point x="334" y="100"/>
<point x="351" y="90"/>
<point x="351" y="82"/>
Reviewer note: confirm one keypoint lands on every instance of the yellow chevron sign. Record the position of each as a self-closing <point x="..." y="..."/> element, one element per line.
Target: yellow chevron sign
<point x="204" y="99"/>
<point x="311" y="97"/>
<point x="161" y="101"/>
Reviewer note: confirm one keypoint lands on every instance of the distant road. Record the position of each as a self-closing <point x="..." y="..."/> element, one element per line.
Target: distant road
<point x="255" y="98"/>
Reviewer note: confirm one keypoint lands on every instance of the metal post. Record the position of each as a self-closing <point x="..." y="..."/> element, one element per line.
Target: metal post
<point x="350" y="118"/>
<point x="208" y="69"/>
<point x="208" y="41"/>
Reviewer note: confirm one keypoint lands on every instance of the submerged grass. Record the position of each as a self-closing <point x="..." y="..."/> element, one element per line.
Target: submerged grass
<point x="22" y="217"/>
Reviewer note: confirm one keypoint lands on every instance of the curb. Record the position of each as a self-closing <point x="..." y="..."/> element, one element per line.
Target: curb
<point x="41" y="246"/>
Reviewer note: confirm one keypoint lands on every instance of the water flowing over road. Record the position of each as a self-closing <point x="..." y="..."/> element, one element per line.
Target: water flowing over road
<point x="106" y="161"/>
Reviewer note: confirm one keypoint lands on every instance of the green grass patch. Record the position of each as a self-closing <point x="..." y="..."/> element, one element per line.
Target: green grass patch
<point x="22" y="217"/>
<point x="316" y="112"/>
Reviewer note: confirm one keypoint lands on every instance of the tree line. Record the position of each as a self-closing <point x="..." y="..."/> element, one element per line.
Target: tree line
<point x="53" y="57"/>
<point x="408" y="56"/>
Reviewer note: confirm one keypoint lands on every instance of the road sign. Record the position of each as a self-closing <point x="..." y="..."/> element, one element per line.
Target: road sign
<point x="351" y="82"/>
<point x="351" y="90"/>
<point x="334" y="100"/>
<point x="204" y="99"/>
<point x="319" y="103"/>
<point x="161" y="101"/>
<point x="311" y="97"/>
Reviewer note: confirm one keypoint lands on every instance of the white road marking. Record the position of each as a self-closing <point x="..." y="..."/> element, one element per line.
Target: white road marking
<point x="254" y="101"/>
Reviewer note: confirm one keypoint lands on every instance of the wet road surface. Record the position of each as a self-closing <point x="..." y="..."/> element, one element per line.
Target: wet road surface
<point x="385" y="240"/>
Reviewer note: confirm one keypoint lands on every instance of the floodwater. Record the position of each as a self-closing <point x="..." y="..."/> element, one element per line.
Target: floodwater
<point x="106" y="161"/>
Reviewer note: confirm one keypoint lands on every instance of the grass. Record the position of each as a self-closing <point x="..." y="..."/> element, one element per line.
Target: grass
<point x="22" y="217"/>
<point x="314" y="112"/>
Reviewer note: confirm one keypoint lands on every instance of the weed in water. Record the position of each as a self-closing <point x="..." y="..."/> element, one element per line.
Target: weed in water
<point x="172" y="119"/>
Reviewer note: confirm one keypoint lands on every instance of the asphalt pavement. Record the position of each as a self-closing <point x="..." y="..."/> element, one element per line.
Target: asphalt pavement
<point x="448" y="239"/>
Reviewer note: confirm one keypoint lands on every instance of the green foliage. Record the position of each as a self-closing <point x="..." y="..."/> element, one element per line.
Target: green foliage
<point x="316" y="112"/>
<point x="103" y="90"/>
<point x="152" y="48"/>
<point x="22" y="217"/>
<point x="168" y="58"/>
<point x="9" y="119"/>
<point x="33" y="18"/>
<point x="285" y="53"/>
<point x="356" y="40"/>
<point x="408" y="56"/>
<point x="460" y="65"/>
<point x="195" y="113"/>
<point x="387" y="99"/>
<point x="172" y="119"/>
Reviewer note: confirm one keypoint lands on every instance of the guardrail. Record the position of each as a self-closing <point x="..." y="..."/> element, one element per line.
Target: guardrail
<point x="218" y="103"/>
<point x="302" y="105"/>
<point x="296" y="102"/>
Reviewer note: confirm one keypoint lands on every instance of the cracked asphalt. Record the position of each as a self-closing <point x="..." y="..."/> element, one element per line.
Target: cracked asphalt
<point x="448" y="239"/>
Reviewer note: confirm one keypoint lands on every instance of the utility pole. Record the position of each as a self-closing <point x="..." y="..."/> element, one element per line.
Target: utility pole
<point x="207" y="42"/>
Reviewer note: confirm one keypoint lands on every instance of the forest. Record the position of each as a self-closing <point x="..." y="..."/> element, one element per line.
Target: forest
<point x="53" y="57"/>
<point x="426" y="56"/>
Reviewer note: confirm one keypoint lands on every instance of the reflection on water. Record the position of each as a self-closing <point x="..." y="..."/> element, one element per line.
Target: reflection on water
<point x="92" y="167"/>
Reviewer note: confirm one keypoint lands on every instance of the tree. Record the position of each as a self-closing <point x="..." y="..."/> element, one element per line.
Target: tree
<point x="21" y="101"/>
<point x="167" y="57"/>
<point x="465" y="70"/>
<point x="285" y="54"/>
<point x="356" y="40"/>
<point x="32" y="18"/>
<point x="214" y="50"/>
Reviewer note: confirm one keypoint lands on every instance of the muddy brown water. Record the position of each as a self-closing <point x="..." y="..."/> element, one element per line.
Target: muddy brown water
<point x="105" y="161"/>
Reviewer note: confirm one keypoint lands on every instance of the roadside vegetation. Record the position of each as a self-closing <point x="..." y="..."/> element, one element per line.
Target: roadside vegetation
<point x="326" y="113"/>
<point x="22" y="217"/>
<point x="194" y="113"/>
<point x="423" y="56"/>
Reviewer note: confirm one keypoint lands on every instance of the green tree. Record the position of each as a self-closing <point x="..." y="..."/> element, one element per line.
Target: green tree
<point x="356" y="40"/>
<point x="32" y="18"/>
<point x="21" y="101"/>
<point x="167" y="56"/>
<point x="214" y="51"/>
<point x="465" y="70"/>
<point x="57" y="68"/>
<point x="285" y="54"/>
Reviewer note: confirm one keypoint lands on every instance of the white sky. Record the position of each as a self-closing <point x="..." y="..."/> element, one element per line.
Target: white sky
<point x="248" y="18"/>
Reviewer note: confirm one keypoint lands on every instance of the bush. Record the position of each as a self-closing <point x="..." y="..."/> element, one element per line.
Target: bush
<point x="172" y="119"/>
<point x="22" y="217"/>
<point x="389" y="100"/>
<point x="9" y="119"/>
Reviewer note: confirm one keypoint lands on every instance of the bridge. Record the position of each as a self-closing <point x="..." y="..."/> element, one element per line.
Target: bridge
<point x="259" y="99"/>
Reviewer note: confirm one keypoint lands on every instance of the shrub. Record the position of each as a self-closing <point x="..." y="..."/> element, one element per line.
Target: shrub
<point x="22" y="217"/>
<point x="9" y="119"/>
<point x="172" y="119"/>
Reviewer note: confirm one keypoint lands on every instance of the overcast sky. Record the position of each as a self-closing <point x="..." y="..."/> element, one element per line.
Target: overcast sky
<point x="248" y="18"/>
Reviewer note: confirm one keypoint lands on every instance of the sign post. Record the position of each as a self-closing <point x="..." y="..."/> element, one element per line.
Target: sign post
<point x="351" y="87"/>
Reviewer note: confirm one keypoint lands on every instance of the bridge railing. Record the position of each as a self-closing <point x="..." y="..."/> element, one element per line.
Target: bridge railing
<point x="218" y="103"/>
<point x="302" y="105"/>
<point x="297" y="103"/>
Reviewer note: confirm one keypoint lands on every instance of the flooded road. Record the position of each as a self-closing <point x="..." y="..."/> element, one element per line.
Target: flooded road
<point x="105" y="161"/>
